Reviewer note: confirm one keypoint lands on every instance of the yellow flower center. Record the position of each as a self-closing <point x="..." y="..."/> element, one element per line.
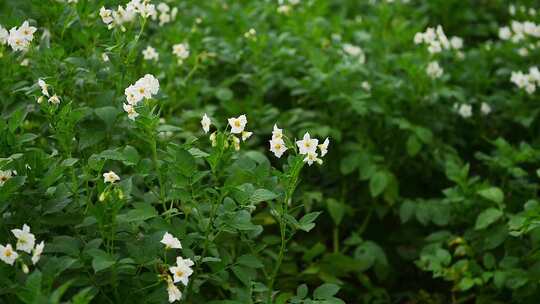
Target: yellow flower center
<point x="237" y="123"/>
<point x="179" y="273"/>
<point x="277" y="146"/>
<point x="8" y="253"/>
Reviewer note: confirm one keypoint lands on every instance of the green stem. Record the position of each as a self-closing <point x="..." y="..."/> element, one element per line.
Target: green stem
<point x="293" y="181"/>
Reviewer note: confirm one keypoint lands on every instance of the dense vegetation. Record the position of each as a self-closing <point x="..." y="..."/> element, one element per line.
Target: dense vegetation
<point x="175" y="151"/>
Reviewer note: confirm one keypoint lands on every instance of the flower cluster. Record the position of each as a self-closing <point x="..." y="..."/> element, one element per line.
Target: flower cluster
<point x="528" y="81"/>
<point x="434" y="70"/>
<point x="18" y="38"/>
<point x="26" y="242"/>
<point x="466" y="110"/>
<point x="117" y="18"/>
<point x="251" y="34"/>
<point x="308" y="146"/>
<point x="144" y="88"/>
<point x="181" y="51"/>
<point x="54" y="99"/>
<point x="237" y="125"/>
<point x="285" y="7"/>
<point x="355" y="52"/>
<point x="180" y="272"/>
<point x="277" y="144"/>
<point x="519" y="31"/>
<point x="166" y="14"/>
<point x="5" y="175"/>
<point x="437" y="41"/>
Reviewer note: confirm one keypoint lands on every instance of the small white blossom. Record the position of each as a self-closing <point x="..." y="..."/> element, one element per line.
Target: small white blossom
<point x="366" y="86"/>
<point x="170" y="241"/>
<point x="236" y="143"/>
<point x="246" y="135"/>
<point x="25" y="239"/>
<point x="150" y="53"/>
<point x="213" y="139"/>
<point x="104" y="57"/>
<point x="7" y="254"/>
<point x="130" y="110"/>
<point x="311" y="157"/>
<point x="465" y="110"/>
<point x="43" y="87"/>
<point x="5" y="176"/>
<point x="54" y="99"/>
<point x="36" y="253"/>
<point x="324" y="147"/>
<point x="434" y="70"/>
<point x="277" y="146"/>
<point x="307" y="144"/>
<point x="181" y="50"/>
<point x="110" y="177"/>
<point x="237" y="124"/>
<point x="106" y="15"/>
<point x="182" y="271"/>
<point x="174" y="293"/>
<point x="205" y="123"/>
<point x="277" y="133"/>
<point x="354" y="51"/>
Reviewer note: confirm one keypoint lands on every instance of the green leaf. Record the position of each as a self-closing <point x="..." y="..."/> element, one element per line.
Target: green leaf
<point x="493" y="194"/>
<point x="413" y="146"/>
<point x="487" y="217"/>
<point x="101" y="260"/>
<point x="407" y="210"/>
<point x="325" y="291"/>
<point x="336" y="210"/>
<point x="249" y="261"/>
<point x="306" y="222"/>
<point x="262" y="195"/>
<point x="378" y="183"/>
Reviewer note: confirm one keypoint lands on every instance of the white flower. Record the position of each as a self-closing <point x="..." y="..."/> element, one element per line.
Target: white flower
<point x="324" y="147"/>
<point x="17" y="41"/>
<point x="106" y="15"/>
<point x="170" y="241"/>
<point x="110" y="177"/>
<point x="181" y="50"/>
<point x="40" y="99"/>
<point x="205" y="123"/>
<point x="5" y="176"/>
<point x="307" y="144"/>
<point x="25" y="239"/>
<point x="246" y="135"/>
<point x="182" y="270"/>
<point x="150" y="83"/>
<point x="43" y="87"/>
<point x="485" y="108"/>
<point x="27" y="31"/>
<point x="130" y="110"/>
<point x="4" y="35"/>
<point x="366" y="86"/>
<point x="7" y="254"/>
<point x="36" y="254"/>
<point x="54" y="99"/>
<point x="354" y="51"/>
<point x="456" y="43"/>
<point x="311" y="157"/>
<point x="105" y="57"/>
<point x="277" y="146"/>
<point x="434" y="70"/>
<point x="150" y="53"/>
<point x="237" y="124"/>
<point x="174" y="293"/>
<point x="133" y="96"/>
<point x="277" y="133"/>
<point x="465" y="110"/>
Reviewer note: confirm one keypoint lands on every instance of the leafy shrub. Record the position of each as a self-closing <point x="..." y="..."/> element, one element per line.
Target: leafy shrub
<point x="143" y="159"/>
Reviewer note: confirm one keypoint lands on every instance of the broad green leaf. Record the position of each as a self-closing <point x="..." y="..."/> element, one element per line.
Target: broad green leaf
<point x="487" y="217"/>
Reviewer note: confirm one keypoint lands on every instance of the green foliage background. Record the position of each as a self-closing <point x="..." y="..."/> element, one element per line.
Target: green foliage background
<point x="417" y="204"/>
